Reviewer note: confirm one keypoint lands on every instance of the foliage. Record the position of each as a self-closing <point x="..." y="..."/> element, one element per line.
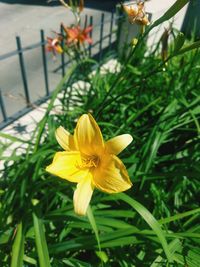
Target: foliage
<point x="156" y="223"/>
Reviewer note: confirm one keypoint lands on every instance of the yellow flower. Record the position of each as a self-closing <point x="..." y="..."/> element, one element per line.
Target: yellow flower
<point x="90" y="162"/>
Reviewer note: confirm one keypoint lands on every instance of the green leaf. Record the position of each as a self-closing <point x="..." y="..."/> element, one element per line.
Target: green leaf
<point x="94" y="226"/>
<point x="13" y="138"/>
<point x="188" y="48"/>
<point x="124" y="241"/>
<point x="30" y="260"/>
<point x="179" y="216"/>
<point x="41" y="243"/>
<point x="5" y="236"/>
<point x="150" y="220"/>
<point x="18" y="248"/>
<point x="102" y="255"/>
<point x="175" y="246"/>
<point x="179" y="41"/>
<point x="75" y="263"/>
<point x="115" y="223"/>
<point x="42" y="123"/>
<point x="172" y="11"/>
<point x="76" y="244"/>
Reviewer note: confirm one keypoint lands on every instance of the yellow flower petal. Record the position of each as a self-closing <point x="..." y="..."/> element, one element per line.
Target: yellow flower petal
<point x="66" y="166"/>
<point x="83" y="194"/>
<point x="118" y="143"/>
<point x="88" y="137"/>
<point x="111" y="176"/>
<point x="65" y="139"/>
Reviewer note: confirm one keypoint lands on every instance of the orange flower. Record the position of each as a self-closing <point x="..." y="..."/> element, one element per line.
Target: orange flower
<point x="136" y="14"/>
<point x="76" y="35"/>
<point x="53" y="45"/>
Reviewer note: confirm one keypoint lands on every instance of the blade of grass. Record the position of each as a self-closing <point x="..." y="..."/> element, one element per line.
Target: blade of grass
<point x="93" y="224"/>
<point x="30" y="260"/>
<point x="172" y="11"/>
<point x="188" y="48"/>
<point x="41" y="243"/>
<point x="18" y="248"/>
<point x="175" y="246"/>
<point x="50" y="106"/>
<point x="179" y="216"/>
<point x="150" y="220"/>
<point x="13" y="138"/>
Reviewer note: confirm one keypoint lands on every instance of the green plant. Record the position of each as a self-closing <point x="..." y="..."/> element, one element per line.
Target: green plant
<point x="157" y="222"/>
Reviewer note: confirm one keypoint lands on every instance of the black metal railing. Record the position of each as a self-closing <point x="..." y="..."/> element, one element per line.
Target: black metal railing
<point x="107" y="32"/>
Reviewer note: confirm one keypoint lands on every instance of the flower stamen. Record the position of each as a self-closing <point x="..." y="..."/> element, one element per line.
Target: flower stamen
<point x="89" y="162"/>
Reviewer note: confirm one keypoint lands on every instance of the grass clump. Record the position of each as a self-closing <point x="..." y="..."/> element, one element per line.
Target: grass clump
<point x="156" y="223"/>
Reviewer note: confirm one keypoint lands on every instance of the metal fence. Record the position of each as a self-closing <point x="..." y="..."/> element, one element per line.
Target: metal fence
<point x="105" y="40"/>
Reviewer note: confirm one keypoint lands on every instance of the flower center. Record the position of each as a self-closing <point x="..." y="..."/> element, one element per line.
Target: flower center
<point x="89" y="162"/>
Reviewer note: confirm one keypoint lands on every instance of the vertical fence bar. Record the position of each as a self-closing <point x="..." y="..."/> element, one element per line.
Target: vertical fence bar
<point x="62" y="54"/>
<point x="90" y="46"/>
<point x="86" y="20"/>
<point x="3" y="110"/>
<point x="111" y="29"/>
<point x="101" y="36"/>
<point x="119" y="22"/>
<point x="85" y="23"/>
<point x="23" y="72"/>
<point x="44" y="62"/>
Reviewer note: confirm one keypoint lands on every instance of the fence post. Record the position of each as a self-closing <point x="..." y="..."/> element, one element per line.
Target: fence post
<point x="119" y="22"/>
<point x="62" y="54"/>
<point x="90" y="46"/>
<point x="23" y="72"/>
<point x="111" y="29"/>
<point x="44" y="62"/>
<point x="3" y="110"/>
<point x="86" y="20"/>
<point x="101" y="36"/>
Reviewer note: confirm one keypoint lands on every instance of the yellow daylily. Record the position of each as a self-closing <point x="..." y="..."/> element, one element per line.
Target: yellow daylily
<point x="90" y="162"/>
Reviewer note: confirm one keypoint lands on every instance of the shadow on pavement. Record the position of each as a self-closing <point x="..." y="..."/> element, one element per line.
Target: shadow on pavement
<point x="107" y="5"/>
